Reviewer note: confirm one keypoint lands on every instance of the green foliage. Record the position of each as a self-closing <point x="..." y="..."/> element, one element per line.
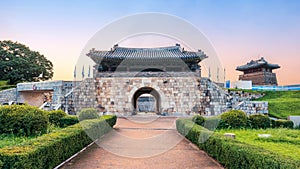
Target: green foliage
<point x="68" y="121"/>
<point x="259" y="121"/>
<point x="282" y="141"/>
<point x="198" y="119"/>
<point x="4" y="85"/>
<point x="231" y="153"/>
<point x="215" y="122"/>
<point x="7" y="87"/>
<point x="23" y="120"/>
<point x="282" y="103"/>
<point x="111" y="120"/>
<point x="55" y="116"/>
<point x="11" y="139"/>
<point x="283" y="123"/>
<point x="18" y="63"/>
<point x="3" y="82"/>
<point x="234" y="119"/>
<point x="89" y="113"/>
<point x="51" y="149"/>
<point x="189" y="129"/>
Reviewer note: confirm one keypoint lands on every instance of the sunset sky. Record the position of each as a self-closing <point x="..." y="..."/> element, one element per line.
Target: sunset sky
<point x="239" y="30"/>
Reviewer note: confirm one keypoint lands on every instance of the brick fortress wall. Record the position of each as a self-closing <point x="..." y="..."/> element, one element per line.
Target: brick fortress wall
<point x="260" y="78"/>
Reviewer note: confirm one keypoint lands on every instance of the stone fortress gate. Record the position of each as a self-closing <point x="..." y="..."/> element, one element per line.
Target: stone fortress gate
<point x="170" y="75"/>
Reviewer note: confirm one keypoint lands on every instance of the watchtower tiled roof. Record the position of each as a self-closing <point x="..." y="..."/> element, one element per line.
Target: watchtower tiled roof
<point x="257" y="64"/>
<point x="162" y="53"/>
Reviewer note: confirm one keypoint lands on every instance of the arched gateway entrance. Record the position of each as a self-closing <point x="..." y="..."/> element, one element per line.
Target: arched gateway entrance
<point x="171" y="76"/>
<point x="146" y="90"/>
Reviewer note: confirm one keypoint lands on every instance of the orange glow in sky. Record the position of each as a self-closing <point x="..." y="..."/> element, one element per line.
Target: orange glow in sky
<point x="240" y="31"/>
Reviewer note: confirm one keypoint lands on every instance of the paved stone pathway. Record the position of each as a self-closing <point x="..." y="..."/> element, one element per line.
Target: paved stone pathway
<point x="143" y="142"/>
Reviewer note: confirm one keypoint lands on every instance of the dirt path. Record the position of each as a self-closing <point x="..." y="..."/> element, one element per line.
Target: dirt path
<point x="143" y="143"/>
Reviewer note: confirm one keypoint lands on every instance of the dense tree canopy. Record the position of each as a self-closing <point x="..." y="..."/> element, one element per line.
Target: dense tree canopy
<point x="18" y="63"/>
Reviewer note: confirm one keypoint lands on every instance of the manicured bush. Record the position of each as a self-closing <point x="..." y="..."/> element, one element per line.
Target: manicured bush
<point x="198" y="119"/>
<point x="55" y="116"/>
<point x="89" y="113"/>
<point x="231" y="153"/>
<point x="284" y="123"/>
<point x="23" y="120"/>
<point x="68" y="121"/>
<point x="272" y="123"/>
<point x="51" y="149"/>
<point x="213" y="123"/>
<point x="259" y="121"/>
<point x="111" y="120"/>
<point x="234" y="119"/>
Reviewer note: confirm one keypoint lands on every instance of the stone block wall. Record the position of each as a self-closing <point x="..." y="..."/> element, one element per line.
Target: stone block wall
<point x="8" y="95"/>
<point x="253" y="107"/>
<point x="183" y="95"/>
<point x="213" y="98"/>
<point x="175" y="94"/>
<point x="84" y="95"/>
<point x="236" y="97"/>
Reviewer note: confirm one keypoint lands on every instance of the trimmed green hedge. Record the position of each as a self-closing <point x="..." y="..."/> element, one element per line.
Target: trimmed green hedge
<point x="235" y="118"/>
<point x="238" y="119"/>
<point x="231" y="153"/>
<point x="23" y="120"/>
<point x="51" y="149"/>
<point x="198" y="119"/>
<point x="283" y="123"/>
<point x="111" y="120"/>
<point x="259" y="121"/>
<point x="68" y="120"/>
<point x="55" y="116"/>
<point x="88" y="113"/>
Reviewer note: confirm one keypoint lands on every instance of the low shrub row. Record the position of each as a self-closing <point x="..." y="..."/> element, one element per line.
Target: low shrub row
<point x="23" y="120"/>
<point x="55" y="115"/>
<point x="238" y="119"/>
<point x="231" y="153"/>
<point x="49" y="150"/>
<point x="235" y="118"/>
<point x="257" y="121"/>
<point x="198" y="119"/>
<point x="68" y="121"/>
<point x="282" y="123"/>
<point x="29" y="120"/>
<point x="88" y="113"/>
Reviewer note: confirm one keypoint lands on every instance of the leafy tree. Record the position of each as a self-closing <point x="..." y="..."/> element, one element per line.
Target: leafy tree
<point x="18" y="63"/>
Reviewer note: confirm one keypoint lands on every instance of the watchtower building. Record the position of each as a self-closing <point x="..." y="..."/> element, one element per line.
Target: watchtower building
<point x="259" y="72"/>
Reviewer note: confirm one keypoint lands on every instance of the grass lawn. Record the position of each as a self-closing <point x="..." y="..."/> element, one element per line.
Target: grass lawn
<point x="3" y="82"/>
<point x="282" y="103"/>
<point x="4" y="85"/>
<point x="12" y="140"/>
<point x="282" y="141"/>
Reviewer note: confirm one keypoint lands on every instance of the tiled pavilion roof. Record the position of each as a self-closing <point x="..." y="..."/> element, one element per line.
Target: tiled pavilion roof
<point x="257" y="64"/>
<point x="118" y="54"/>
